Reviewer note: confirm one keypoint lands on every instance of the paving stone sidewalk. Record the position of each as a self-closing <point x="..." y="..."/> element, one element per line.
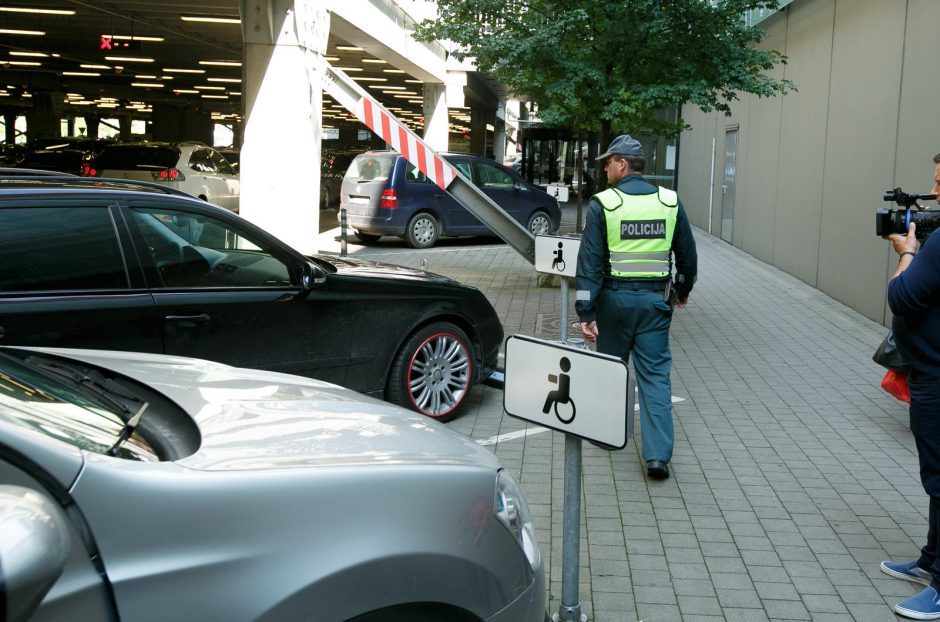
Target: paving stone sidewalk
<point x="793" y="474"/>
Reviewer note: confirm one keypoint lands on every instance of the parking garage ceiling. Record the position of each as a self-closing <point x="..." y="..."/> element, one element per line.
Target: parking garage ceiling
<point x="123" y="57"/>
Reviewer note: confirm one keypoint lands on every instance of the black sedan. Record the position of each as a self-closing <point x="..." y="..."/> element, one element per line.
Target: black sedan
<point x="132" y="266"/>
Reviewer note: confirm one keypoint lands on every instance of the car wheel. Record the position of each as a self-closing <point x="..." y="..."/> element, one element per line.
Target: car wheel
<point x="367" y="237"/>
<point x="539" y="223"/>
<point x="433" y="371"/>
<point x="423" y="231"/>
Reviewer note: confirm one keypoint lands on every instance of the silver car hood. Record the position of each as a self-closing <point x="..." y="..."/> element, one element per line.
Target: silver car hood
<point x="251" y="419"/>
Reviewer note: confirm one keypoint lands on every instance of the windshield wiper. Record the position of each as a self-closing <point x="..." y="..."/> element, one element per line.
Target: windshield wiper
<point x="101" y="391"/>
<point x="129" y="427"/>
<point x="90" y="384"/>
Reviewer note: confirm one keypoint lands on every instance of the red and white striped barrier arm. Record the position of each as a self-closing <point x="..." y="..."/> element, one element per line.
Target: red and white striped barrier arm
<point x="359" y="103"/>
<point x="404" y="141"/>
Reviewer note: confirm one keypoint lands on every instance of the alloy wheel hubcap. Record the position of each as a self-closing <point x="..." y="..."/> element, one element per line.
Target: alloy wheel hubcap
<point x="439" y="375"/>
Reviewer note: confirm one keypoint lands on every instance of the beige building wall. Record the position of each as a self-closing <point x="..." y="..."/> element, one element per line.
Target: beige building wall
<point x="812" y="166"/>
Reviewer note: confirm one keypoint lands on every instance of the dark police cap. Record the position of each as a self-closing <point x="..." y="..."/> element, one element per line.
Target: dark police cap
<point x="623" y="145"/>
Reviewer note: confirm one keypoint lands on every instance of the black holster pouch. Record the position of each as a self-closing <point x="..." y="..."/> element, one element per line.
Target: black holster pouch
<point x="669" y="295"/>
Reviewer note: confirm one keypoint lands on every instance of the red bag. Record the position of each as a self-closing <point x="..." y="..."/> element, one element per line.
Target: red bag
<point x="896" y="384"/>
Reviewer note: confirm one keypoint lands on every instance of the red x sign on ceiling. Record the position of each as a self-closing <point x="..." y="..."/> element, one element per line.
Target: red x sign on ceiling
<point x="105" y="43"/>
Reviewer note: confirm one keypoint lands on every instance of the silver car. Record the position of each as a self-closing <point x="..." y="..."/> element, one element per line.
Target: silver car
<point x="191" y="490"/>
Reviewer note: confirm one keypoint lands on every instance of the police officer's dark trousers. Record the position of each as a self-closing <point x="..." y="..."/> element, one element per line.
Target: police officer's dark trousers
<point x="633" y="318"/>
<point x="925" y="426"/>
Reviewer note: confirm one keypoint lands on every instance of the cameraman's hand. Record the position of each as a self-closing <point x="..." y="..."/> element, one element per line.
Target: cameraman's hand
<point x="905" y="243"/>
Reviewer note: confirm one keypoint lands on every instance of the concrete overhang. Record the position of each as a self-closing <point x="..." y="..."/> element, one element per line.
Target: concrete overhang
<point x="384" y="29"/>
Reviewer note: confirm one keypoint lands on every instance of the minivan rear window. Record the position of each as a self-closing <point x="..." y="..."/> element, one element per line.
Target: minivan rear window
<point x="130" y="158"/>
<point x="368" y="167"/>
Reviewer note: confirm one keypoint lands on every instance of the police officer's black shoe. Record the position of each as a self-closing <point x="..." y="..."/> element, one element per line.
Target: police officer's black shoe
<point x="657" y="469"/>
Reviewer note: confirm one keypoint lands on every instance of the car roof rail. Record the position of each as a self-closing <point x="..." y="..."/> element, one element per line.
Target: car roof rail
<point x="145" y="184"/>
<point x="90" y="181"/>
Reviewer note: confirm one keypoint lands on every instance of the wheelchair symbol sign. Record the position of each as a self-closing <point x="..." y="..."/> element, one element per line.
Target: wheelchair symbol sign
<point x="562" y="395"/>
<point x="556" y="254"/>
<point x="569" y="389"/>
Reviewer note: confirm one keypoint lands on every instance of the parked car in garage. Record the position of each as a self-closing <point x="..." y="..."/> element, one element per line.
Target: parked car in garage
<point x="384" y="194"/>
<point x="193" y="167"/>
<point x="333" y="165"/>
<point x="170" y="488"/>
<point x="118" y="265"/>
<point x="69" y="154"/>
<point x="63" y="160"/>
<point x="232" y="155"/>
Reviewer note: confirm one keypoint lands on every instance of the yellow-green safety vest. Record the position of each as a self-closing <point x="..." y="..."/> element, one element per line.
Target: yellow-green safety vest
<point x="639" y="232"/>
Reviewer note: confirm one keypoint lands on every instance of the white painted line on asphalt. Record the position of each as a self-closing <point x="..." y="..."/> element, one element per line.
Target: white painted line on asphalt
<point x="509" y="436"/>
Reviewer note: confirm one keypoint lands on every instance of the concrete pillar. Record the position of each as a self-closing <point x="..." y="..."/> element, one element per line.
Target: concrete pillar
<point x="280" y="154"/>
<point x="478" y="117"/>
<point x="499" y="135"/>
<point x="166" y="122"/>
<point x="91" y="122"/>
<point x="9" y="126"/>
<point x="125" y="122"/>
<point x="173" y="123"/>
<point x="43" y="119"/>
<point x="436" y="124"/>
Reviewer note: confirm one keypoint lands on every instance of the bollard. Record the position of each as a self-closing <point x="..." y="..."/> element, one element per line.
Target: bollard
<point x="342" y="231"/>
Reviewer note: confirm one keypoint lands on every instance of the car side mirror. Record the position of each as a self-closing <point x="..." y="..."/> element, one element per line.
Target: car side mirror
<point x="34" y="546"/>
<point x="312" y="276"/>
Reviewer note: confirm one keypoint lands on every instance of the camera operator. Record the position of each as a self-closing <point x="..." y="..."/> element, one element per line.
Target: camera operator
<point x="914" y="298"/>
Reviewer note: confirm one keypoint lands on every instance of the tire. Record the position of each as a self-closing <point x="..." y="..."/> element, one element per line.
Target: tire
<point x="367" y="237"/>
<point x="539" y="223"/>
<point x="433" y="372"/>
<point x="423" y="231"/>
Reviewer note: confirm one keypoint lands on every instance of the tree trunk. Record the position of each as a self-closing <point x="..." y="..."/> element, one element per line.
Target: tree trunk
<point x="580" y="162"/>
<point x="604" y="142"/>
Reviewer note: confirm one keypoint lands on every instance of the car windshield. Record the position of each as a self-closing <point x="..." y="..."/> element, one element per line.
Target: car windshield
<point x="137" y="157"/>
<point x="371" y="167"/>
<point x="34" y="399"/>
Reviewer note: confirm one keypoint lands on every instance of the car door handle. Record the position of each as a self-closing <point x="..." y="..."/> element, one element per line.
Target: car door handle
<point x="438" y="196"/>
<point x="189" y="320"/>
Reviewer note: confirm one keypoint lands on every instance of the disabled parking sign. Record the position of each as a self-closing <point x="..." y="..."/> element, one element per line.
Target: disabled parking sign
<point x="557" y="254"/>
<point x="575" y="391"/>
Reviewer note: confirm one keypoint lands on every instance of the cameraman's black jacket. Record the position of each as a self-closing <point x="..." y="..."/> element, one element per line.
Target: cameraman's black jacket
<point x="914" y="298"/>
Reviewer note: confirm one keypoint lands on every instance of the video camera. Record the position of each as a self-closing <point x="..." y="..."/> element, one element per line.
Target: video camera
<point x="888" y="221"/>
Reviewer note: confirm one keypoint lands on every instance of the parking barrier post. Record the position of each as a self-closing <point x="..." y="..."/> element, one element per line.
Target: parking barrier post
<point x="342" y="231"/>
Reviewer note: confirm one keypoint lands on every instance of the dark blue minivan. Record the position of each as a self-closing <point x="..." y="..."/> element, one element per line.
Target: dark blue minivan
<point x="384" y="194"/>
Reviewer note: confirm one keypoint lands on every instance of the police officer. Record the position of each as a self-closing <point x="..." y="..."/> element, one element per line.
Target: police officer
<point x="625" y="293"/>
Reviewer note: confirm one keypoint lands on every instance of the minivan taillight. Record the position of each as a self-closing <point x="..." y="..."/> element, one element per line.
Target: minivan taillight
<point x="389" y="199"/>
<point x="168" y="174"/>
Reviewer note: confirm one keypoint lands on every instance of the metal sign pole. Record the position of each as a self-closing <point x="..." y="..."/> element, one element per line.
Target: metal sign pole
<point x="570" y="608"/>
<point x="564" y="309"/>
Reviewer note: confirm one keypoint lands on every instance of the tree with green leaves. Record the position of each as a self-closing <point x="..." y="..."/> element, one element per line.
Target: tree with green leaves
<point x="592" y="65"/>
